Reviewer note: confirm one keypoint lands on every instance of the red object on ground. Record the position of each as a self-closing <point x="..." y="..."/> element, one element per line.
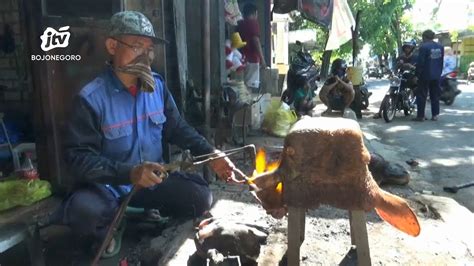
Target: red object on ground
<point x="28" y="171"/>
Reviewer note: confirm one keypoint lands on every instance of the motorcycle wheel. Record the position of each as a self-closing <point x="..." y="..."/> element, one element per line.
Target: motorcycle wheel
<point x="287" y="97"/>
<point x="411" y="100"/>
<point x="389" y="109"/>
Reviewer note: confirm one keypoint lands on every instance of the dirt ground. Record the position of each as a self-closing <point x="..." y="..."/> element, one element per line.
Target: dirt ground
<point x="447" y="234"/>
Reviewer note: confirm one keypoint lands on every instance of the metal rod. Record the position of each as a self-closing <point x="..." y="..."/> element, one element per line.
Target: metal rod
<point x="206" y="52"/>
<point x="113" y="226"/>
<point x="229" y="151"/>
<point x="206" y="80"/>
<point x="5" y="132"/>
<point x="252" y="186"/>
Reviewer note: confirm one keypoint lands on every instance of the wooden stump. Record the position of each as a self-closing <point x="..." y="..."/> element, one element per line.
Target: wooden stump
<point x="296" y="227"/>
<point x="296" y="231"/>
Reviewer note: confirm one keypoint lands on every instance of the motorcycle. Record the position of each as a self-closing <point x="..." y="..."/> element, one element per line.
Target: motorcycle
<point x="470" y="73"/>
<point x="374" y="72"/>
<point x="400" y="96"/>
<point x="302" y="70"/>
<point x="449" y="88"/>
<point x="361" y="99"/>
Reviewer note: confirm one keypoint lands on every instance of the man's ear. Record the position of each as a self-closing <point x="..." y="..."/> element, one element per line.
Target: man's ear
<point x="111" y="46"/>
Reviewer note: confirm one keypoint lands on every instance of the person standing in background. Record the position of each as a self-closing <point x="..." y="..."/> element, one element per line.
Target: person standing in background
<point x="449" y="64"/>
<point x="249" y="30"/>
<point x="428" y="69"/>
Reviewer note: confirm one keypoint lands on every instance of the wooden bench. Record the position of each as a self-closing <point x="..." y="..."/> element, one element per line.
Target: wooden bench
<point x="23" y="223"/>
<point x="296" y="232"/>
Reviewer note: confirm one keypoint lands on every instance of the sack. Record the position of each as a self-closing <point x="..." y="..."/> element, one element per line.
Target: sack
<point x="22" y="192"/>
<point x="278" y="119"/>
<point x="232" y="12"/>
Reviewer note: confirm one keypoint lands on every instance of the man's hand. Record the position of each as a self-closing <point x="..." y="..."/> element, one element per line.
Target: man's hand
<point x="146" y="174"/>
<point x="224" y="168"/>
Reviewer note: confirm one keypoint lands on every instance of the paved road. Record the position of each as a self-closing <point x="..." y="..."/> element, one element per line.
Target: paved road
<point x="445" y="148"/>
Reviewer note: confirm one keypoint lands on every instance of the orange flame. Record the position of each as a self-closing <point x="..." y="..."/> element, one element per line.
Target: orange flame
<point x="273" y="165"/>
<point x="261" y="165"/>
<point x="261" y="161"/>
<point x="279" y="188"/>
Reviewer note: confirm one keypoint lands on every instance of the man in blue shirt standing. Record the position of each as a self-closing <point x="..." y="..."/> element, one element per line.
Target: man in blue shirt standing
<point x="429" y="67"/>
<point x="119" y="122"/>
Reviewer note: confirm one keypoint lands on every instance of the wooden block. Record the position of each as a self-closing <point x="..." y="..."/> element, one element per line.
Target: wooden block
<point x="35" y="213"/>
<point x="11" y="235"/>
<point x="359" y="237"/>
<point x="296" y="220"/>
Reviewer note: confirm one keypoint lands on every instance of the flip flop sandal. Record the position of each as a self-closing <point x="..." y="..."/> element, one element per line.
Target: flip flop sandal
<point x="147" y="216"/>
<point x="118" y="241"/>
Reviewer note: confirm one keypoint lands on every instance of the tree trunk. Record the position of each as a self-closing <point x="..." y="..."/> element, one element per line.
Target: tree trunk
<point x="326" y="63"/>
<point x="355" y="37"/>
<point x="397" y="31"/>
<point x="326" y="60"/>
<point x="394" y="60"/>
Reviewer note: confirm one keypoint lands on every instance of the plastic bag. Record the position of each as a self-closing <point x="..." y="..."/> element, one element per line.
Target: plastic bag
<point x="278" y="119"/>
<point x="22" y="192"/>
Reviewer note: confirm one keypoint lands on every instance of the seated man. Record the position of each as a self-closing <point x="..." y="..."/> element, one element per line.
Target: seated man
<point x="337" y="92"/>
<point x="304" y="99"/>
<point x="407" y="60"/>
<point x="118" y="125"/>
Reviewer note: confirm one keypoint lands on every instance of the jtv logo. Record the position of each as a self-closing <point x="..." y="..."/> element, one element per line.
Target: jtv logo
<point x="55" y="39"/>
<point x="51" y="39"/>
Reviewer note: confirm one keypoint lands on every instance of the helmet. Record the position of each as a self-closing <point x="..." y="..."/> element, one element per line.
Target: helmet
<point x="132" y="23"/>
<point x="338" y="67"/>
<point x="410" y="44"/>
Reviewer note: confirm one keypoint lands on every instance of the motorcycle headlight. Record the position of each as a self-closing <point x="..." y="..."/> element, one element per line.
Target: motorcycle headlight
<point x="395" y="81"/>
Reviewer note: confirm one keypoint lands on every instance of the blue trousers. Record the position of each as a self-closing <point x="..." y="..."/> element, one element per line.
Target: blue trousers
<point x="424" y="87"/>
<point x="90" y="209"/>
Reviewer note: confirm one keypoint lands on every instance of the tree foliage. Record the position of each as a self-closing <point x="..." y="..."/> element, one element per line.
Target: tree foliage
<point x="382" y="26"/>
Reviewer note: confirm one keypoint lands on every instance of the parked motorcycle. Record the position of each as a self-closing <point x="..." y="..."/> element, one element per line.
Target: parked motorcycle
<point x="361" y="99"/>
<point x="470" y="73"/>
<point x="449" y="88"/>
<point x="400" y="96"/>
<point x="302" y="70"/>
<point x="374" y="72"/>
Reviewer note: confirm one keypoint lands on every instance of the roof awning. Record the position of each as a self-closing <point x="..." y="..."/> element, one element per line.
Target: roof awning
<point x="317" y="11"/>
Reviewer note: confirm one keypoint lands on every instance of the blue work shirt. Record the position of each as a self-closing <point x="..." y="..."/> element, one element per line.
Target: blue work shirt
<point x="430" y="61"/>
<point x="110" y="131"/>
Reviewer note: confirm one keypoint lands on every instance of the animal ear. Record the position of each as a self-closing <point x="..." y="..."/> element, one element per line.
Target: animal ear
<point x="396" y="212"/>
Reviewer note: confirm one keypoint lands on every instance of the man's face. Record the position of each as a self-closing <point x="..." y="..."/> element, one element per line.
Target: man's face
<point x="124" y="49"/>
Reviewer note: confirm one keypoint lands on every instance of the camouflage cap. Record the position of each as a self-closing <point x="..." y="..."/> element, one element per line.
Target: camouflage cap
<point x="132" y="23"/>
